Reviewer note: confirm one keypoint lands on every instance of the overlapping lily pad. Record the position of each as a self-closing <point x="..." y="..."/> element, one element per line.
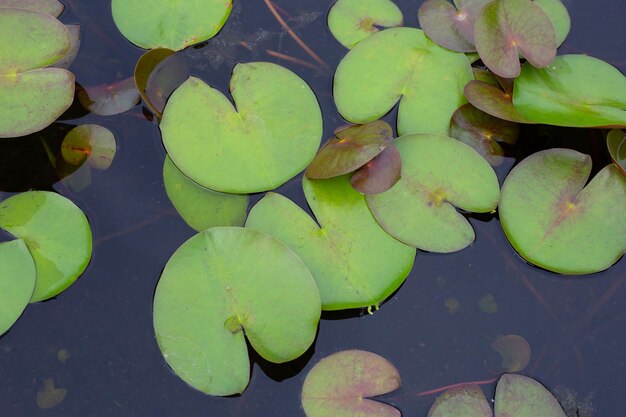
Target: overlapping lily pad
<point x="17" y="282"/>
<point x="466" y="401"/>
<point x="57" y="234"/>
<point x="225" y="282"/>
<point x="559" y="16"/>
<point x="89" y="143"/>
<point x="200" y="207"/>
<point x="518" y="395"/>
<point x="169" y="24"/>
<point x="575" y="90"/>
<point x="32" y="96"/>
<point x="72" y="53"/>
<point x="342" y="384"/>
<point x="351" y="21"/>
<point x="51" y="7"/>
<point x="271" y="136"/>
<point x="493" y="100"/>
<point x="379" y="174"/>
<point x="438" y="174"/>
<point x="353" y="260"/>
<point x="402" y="64"/>
<point x="110" y="99"/>
<point x="616" y="143"/>
<point x="555" y="222"/>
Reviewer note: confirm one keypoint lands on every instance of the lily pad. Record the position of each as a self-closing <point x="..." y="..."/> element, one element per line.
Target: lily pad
<point x="350" y="149"/>
<point x="169" y="24"/>
<point x="520" y="396"/>
<point x="505" y="27"/>
<point x="465" y="401"/>
<point x="559" y="16"/>
<point x="494" y="101"/>
<point x="50" y="396"/>
<point x="438" y="174"/>
<point x="89" y="143"/>
<point x="57" y="234"/>
<point x="17" y="282"/>
<point x="353" y="260"/>
<point x="271" y="136"/>
<point x="32" y="97"/>
<point x="514" y="351"/>
<point x="342" y="384"/>
<point x="110" y="99"/>
<point x="555" y="222"/>
<point x="351" y="21"/>
<point x="71" y="55"/>
<point x="402" y="64"/>
<point x="379" y="174"/>
<point x="616" y="143"/>
<point x="216" y="290"/>
<point x="575" y="90"/>
<point x="51" y="7"/>
<point x="200" y="207"/>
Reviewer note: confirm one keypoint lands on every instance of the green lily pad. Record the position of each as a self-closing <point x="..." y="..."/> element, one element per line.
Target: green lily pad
<point x="520" y="396"/>
<point x="32" y="97"/>
<point x="271" y="136"/>
<point x="379" y="174"/>
<point x="353" y="260"/>
<point x="51" y="7"/>
<point x="89" y="143"/>
<point x="557" y="223"/>
<point x="57" y="234"/>
<point x="616" y="143"/>
<point x="514" y="351"/>
<point x="494" y="101"/>
<point x="216" y="290"/>
<point x="488" y="304"/>
<point x="70" y="56"/>
<point x="451" y="26"/>
<point x="351" y="21"/>
<point x="341" y="384"/>
<point x="575" y="90"/>
<point x="200" y="207"/>
<point x="438" y="174"/>
<point x="465" y="401"/>
<point x="110" y="99"/>
<point x="350" y="149"/>
<point x="505" y="27"/>
<point x="172" y="24"/>
<point x="17" y="282"/>
<point x="402" y="64"/>
<point x="559" y="16"/>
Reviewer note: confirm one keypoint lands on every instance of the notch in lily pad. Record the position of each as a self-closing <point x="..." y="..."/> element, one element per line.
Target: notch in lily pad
<point x="89" y="143"/>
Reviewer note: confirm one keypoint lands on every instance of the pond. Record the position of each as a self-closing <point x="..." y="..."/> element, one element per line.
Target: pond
<point x="96" y="339"/>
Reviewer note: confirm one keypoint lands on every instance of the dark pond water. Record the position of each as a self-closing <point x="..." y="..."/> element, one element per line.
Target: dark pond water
<point x="575" y="326"/>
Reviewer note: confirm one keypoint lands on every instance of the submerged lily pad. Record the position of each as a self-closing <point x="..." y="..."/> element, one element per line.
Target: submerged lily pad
<point x="216" y="290"/>
<point x="169" y="24"/>
<point x="438" y="174"/>
<point x="32" y="97"/>
<point x="57" y="234"/>
<point x="616" y="143"/>
<point x="52" y="7"/>
<point x="89" y="143"/>
<point x="17" y="282"/>
<point x="465" y="401"/>
<point x="514" y="351"/>
<point x="353" y="260"/>
<point x="50" y="396"/>
<point x="379" y="174"/>
<point x="402" y="64"/>
<point x="351" y="21"/>
<point x="575" y="90"/>
<point x="505" y="27"/>
<point x="271" y="136"/>
<point x="555" y="222"/>
<point x="520" y="396"/>
<point x="494" y="101"/>
<point x="110" y="99"/>
<point x="200" y="207"/>
<point x="342" y="384"/>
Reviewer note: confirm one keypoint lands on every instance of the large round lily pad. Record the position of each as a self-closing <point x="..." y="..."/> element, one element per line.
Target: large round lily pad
<point x="465" y="401"/>
<point x="57" y="234"/>
<point x="555" y="222"/>
<point x="341" y="384"/>
<point x="575" y="90"/>
<point x="221" y="283"/>
<point x="438" y="174"/>
<point x="353" y="260"/>
<point x="271" y="136"/>
<point x="520" y="396"/>
<point x="172" y="24"/>
<point x="17" y="282"/>
<point x="402" y="64"/>
<point x="32" y="97"/>
<point x="52" y="7"/>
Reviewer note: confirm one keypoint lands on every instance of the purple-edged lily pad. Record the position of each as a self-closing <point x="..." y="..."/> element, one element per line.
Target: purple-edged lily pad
<point x="379" y="174"/>
<point x="616" y="142"/>
<point x="514" y="351"/>
<point x="341" y="384"/>
<point x="463" y="401"/>
<point x="520" y="396"/>
<point x="110" y="99"/>
<point x="493" y="100"/>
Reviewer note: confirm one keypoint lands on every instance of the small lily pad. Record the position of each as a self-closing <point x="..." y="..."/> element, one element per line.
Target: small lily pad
<point x="488" y="304"/>
<point x="110" y="99"/>
<point x="50" y="396"/>
<point x="575" y="90"/>
<point x="438" y="174"/>
<point x="17" y="282"/>
<point x="71" y="55"/>
<point x="465" y="401"/>
<point x="342" y="384"/>
<point x="514" y="350"/>
<point x="57" y="234"/>
<point x="52" y="7"/>
<point x="271" y="136"/>
<point x="216" y="291"/>
<point x="494" y="101"/>
<point x="520" y="396"/>
<point x="379" y="174"/>
<point x="402" y="64"/>
<point x="505" y="27"/>
<point x="169" y="24"/>
<point x="555" y="222"/>
<point x="351" y="21"/>
<point x="89" y="143"/>
<point x="616" y="143"/>
<point x="200" y="207"/>
<point x="350" y="149"/>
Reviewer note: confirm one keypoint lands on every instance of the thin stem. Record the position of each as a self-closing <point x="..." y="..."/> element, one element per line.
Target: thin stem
<point x="291" y="59"/>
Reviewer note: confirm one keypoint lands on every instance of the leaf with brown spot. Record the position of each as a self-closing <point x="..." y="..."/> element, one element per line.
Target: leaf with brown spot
<point x="492" y="100"/>
<point x="379" y="174"/>
<point x="89" y="143"/>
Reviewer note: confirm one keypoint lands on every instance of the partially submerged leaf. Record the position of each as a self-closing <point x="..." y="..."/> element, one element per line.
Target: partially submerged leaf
<point x="379" y="174"/>
<point x="493" y="100"/>
<point x="110" y="99"/>
<point x="17" y="281"/>
<point x="514" y="351"/>
<point x="52" y="7"/>
<point x="520" y="396"/>
<point x="50" y="396"/>
<point x="341" y="384"/>
<point x="216" y="290"/>
<point x="463" y="401"/>
<point x="89" y="143"/>
<point x="557" y="223"/>
<point x="616" y="143"/>
<point x="71" y="55"/>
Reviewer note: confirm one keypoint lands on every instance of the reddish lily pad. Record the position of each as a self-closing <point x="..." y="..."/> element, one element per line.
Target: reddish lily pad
<point x="110" y="99"/>
<point x="494" y="101"/>
<point x="52" y="7"/>
<point x="89" y="143"/>
<point x="350" y="149"/>
<point x="616" y="142"/>
<point x="342" y="384"/>
<point x="379" y="174"/>
<point x="555" y="222"/>
<point x="506" y="27"/>
<point x="465" y="401"/>
<point x="514" y="350"/>
<point x="520" y="396"/>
